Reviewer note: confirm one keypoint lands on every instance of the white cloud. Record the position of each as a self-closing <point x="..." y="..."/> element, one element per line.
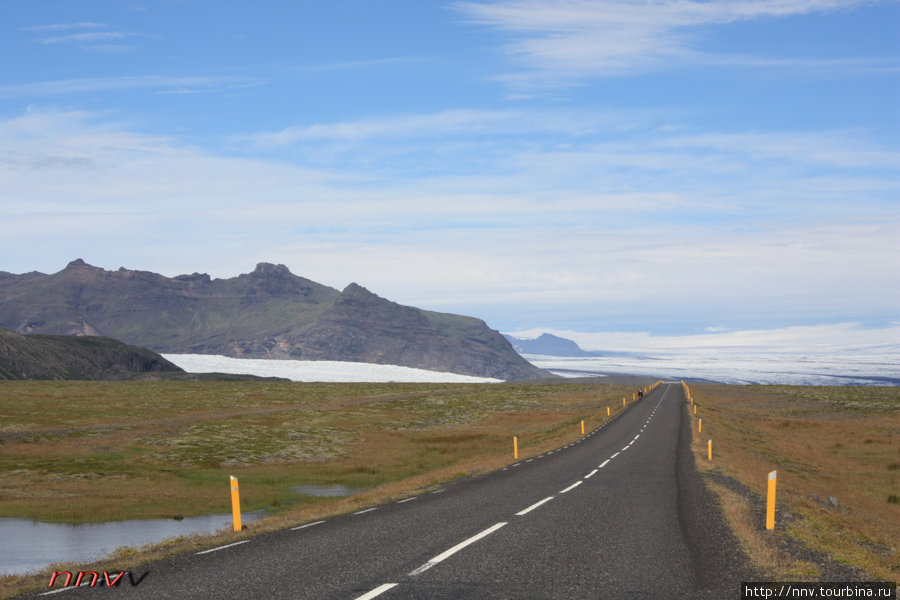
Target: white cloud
<point x="517" y="243"/>
<point x="455" y="122"/>
<point x="64" y="26"/>
<point x="64" y="87"/>
<point x="560" y="42"/>
<point x="85" y="38"/>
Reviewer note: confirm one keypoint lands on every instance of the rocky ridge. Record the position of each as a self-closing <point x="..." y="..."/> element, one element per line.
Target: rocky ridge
<point x="268" y="313"/>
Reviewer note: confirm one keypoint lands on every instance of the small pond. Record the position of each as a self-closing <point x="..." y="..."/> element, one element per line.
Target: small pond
<point x="27" y="545"/>
<point x="326" y="491"/>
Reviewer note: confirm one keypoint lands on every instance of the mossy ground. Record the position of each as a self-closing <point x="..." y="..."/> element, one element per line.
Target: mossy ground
<point x="92" y="451"/>
<point x="824" y="442"/>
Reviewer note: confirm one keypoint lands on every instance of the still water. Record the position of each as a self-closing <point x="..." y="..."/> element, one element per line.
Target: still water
<point x="326" y="491"/>
<point x="27" y="545"/>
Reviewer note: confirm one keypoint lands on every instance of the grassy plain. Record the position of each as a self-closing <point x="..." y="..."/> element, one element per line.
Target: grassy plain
<point x="95" y="451"/>
<point x="837" y="454"/>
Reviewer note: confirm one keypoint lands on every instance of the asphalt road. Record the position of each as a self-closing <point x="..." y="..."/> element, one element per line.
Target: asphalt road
<point x="619" y="514"/>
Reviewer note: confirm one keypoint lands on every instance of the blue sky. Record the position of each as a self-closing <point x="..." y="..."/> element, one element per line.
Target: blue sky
<point x="668" y="167"/>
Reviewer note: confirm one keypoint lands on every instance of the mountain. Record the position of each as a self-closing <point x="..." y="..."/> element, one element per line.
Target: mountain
<point x="67" y="357"/>
<point x="548" y="344"/>
<point x="269" y="313"/>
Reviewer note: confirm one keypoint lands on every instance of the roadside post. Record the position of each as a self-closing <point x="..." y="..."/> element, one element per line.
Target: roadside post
<point x="770" y="500"/>
<point x="516" y="447"/>
<point x="235" y="503"/>
<point x="709" y="449"/>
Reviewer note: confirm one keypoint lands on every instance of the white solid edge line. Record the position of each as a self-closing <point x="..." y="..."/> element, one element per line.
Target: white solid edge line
<point x="572" y="487"/>
<point x="534" y="506"/>
<point x="65" y="589"/>
<point x="377" y="591"/>
<point x="448" y="553"/>
<point x="223" y="547"/>
<point x="307" y="525"/>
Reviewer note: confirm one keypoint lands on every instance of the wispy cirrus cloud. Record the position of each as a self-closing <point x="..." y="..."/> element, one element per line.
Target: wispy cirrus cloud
<point x="162" y="84"/>
<point x="564" y="42"/>
<point x="464" y="122"/>
<point x="64" y="26"/>
<point x="85" y="36"/>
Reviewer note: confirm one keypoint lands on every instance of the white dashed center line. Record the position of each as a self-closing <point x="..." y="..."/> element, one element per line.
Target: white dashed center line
<point x="534" y="506"/>
<point x="448" y="553"/>
<point x="571" y="487"/>
<point x="376" y="592"/>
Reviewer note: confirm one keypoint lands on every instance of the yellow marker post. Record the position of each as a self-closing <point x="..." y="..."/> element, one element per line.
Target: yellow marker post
<point x="607" y="411"/>
<point x="235" y="503"/>
<point x="695" y="409"/>
<point x="515" y="447"/>
<point x="623" y="401"/>
<point x="770" y="501"/>
<point x="582" y="427"/>
<point x="699" y="425"/>
<point x="709" y="449"/>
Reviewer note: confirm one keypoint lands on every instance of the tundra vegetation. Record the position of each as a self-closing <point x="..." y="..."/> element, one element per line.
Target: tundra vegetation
<point x="96" y="451"/>
<point x="79" y="451"/>
<point x="837" y="454"/>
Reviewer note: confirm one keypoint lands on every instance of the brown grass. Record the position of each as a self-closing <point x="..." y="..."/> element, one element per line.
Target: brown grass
<point x="824" y="443"/>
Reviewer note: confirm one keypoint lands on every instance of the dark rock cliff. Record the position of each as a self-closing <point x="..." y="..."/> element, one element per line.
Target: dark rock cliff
<point x="269" y="313"/>
<point x="67" y="357"/>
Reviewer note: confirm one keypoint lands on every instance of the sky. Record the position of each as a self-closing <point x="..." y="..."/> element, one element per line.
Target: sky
<point x="666" y="167"/>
